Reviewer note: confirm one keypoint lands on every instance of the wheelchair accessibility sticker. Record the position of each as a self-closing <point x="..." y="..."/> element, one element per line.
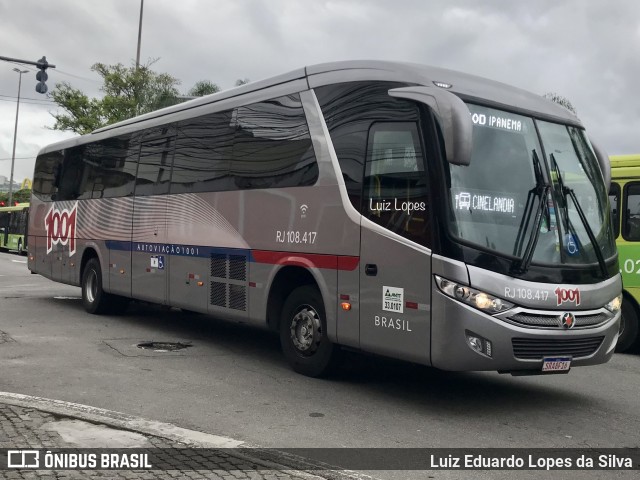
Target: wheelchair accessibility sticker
<point x="571" y="245"/>
<point x="157" y="261"/>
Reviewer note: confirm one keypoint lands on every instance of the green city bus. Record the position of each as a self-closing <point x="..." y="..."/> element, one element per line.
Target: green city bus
<point x="14" y="222"/>
<point x="624" y="197"/>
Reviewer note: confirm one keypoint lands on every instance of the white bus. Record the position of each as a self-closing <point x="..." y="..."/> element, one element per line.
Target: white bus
<point x="399" y="209"/>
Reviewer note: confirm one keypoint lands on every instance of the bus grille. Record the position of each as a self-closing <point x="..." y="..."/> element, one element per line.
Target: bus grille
<point x="554" y="321"/>
<point x="229" y="281"/>
<point x="537" y="348"/>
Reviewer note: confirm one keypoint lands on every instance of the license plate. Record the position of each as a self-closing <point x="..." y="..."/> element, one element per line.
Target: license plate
<point x="556" y="364"/>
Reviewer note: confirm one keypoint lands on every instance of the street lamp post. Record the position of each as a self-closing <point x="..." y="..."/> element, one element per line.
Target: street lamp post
<point x="15" y="134"/>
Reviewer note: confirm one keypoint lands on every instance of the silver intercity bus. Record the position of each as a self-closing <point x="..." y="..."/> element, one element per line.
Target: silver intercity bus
<point x="398" y="209"/>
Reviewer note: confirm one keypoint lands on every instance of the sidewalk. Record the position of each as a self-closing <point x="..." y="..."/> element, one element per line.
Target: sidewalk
<point x="42" y="426"/>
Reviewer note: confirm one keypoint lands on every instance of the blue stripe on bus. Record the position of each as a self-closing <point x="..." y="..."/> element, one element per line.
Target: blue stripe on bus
<point x="315" y="260"/>
<point x="175" y="249"/>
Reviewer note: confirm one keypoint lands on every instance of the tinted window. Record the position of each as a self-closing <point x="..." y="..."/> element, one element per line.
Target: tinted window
<point x="44" y="178"/>
<point x="350" y="109"/>
<point x="72" y="184"/>
<point x="113" y="164"/>
<point x="18" y="222"/>
<point x="395" y="181"/>
<point x="154" y="166"/>
<point x="203" y="151"/>
<point x="272" y="145"/>
<point x="631" y="229"/>
<point x="614" y="204"/>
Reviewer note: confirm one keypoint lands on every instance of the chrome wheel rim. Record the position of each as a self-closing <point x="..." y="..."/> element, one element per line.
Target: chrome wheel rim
<point x="306" y="330"/>
<point x="91" y="288"/>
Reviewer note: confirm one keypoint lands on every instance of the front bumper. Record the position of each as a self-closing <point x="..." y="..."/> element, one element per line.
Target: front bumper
<point x="514" y="348"/>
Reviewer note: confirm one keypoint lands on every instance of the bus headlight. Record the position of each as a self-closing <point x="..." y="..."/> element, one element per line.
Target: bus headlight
<point x="614" y="305"/>
<point x="476" y="298"/>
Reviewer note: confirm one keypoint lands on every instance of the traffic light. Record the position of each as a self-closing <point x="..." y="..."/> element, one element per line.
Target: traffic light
<point x="41" y="75"/>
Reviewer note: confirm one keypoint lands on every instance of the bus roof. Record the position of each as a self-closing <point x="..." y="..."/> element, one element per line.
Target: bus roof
<point x="469" y="87"/>
<point x="625" y="166"/>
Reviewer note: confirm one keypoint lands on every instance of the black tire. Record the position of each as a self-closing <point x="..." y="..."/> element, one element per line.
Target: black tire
<point x="628" y="335"/>
<point x="94" y="299"/>
<point x="303" y="333"/>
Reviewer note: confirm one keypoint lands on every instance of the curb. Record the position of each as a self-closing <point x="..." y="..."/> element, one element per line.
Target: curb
<point x="121" y="421"/>
<point x="191" y="438"/>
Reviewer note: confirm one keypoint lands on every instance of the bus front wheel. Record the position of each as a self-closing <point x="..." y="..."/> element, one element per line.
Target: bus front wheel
<point x="303" y="333"/>
<point x="628" y="335"/>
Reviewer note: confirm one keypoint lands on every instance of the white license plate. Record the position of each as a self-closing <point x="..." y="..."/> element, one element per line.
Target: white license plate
<point x="556" y="364"/>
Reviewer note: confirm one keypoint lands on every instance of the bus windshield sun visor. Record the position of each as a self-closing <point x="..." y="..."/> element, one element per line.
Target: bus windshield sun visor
<point x="453" y="116"/>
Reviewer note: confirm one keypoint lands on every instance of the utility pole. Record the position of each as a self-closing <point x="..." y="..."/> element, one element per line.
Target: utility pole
<point x="15" y="135"/>
<point x="139" y="35"/>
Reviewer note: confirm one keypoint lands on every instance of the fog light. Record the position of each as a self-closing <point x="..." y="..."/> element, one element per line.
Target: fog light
<point x="475" y="343"/>
<point x="479" y="344"/>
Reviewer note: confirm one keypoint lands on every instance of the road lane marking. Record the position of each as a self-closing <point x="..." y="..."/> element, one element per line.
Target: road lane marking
<point x="19" y="261"/>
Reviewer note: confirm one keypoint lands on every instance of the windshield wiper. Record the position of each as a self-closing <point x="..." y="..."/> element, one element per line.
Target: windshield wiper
<point x="541" y="190"/>
<point x="566" y="191"/>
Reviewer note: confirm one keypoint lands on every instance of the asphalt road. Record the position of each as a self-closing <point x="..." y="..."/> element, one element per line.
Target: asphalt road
<point x="233" y="381"/>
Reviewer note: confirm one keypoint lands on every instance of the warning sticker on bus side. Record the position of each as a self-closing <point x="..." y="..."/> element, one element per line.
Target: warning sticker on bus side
<point x="393" y="299"/>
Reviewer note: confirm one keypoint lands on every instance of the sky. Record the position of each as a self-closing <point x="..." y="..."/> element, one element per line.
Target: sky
<point x="585" y="50"/>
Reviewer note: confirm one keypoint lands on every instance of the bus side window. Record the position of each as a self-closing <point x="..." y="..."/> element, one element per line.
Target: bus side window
<point x="395" y="182"/>
<point x="631" y="220"/>
<point x="72" y="183"/>
<point x="114" y="162"/>
<point x="614" y="204"/>
<point x="203" y="151"/>
<point x="154" y="165"/>
<point x="272" y="147"/>
<point x="46" y="175"/>
<point x="349" y="110"/>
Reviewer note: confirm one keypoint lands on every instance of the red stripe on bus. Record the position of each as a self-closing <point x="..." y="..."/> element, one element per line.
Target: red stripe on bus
<point x="412" y="305"/>
<point x="310" y="260"/>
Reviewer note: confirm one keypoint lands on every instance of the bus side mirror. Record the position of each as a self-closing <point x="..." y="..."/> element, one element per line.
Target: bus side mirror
<point x="453" y="116"/>
<point x="603" y="160"/>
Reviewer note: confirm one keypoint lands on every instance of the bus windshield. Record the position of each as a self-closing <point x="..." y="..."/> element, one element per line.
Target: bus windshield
<point x="516" y="201"/>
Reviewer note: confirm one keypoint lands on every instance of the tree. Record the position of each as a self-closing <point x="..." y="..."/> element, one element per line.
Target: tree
<point x="21" y="196"/>
<point x="203" y="87"/>
<point x="560" y="100"/>
<point x="242" y="81"/>
<point x="127" y="92"/>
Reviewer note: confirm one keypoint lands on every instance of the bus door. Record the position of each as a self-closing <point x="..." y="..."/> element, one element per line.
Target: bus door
<point x="4" y="229"/>
<point x="149" y="252"/>
<point x="395" y="262"/>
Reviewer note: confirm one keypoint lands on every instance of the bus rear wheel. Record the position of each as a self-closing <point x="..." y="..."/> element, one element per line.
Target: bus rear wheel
<point x="628" y="334"/>
<point x="303" y="333"/>
<point x="94" y="298"/>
